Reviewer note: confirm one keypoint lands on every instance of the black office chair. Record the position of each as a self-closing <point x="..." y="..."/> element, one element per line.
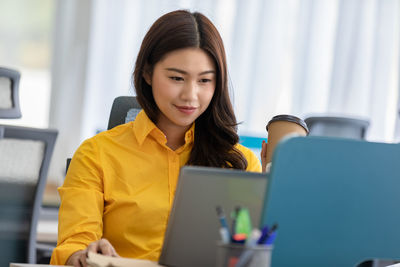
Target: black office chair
<point x="335" y="126"/>
<point x="124" y="109"/>
<point x="25" y="155"/>
<point x="9" y="98"/>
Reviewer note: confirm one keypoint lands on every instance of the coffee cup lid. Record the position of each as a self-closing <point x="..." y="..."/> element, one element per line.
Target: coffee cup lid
<point x="290" y="118"/>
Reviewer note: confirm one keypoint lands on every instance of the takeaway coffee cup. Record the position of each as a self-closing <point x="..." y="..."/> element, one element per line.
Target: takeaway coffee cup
<point x="281" y="126"/>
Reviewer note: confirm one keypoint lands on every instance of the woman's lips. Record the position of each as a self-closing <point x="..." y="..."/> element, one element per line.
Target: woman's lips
<point x="186" y="109"/>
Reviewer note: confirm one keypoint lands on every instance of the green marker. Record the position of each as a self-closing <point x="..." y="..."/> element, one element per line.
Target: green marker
<point x="243" y="222"/>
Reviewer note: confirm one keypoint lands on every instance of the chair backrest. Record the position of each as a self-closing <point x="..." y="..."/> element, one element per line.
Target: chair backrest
<point x="337" y="126"/>
<point x="25" y="155"/>
<point x="9" y="98"/>
<point x="335" y="200"/>
<point x="124" y="109"/>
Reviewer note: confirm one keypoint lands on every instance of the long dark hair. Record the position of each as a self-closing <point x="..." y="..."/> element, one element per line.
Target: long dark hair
<point x="216" y="129"/>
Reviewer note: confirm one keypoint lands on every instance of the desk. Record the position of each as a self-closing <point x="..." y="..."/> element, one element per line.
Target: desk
<point x="139" y="264"/>
<point x="32" y="265"/>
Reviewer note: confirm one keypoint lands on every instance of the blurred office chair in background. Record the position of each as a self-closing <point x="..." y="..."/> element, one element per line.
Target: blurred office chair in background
<point x="9" y="99"/>
<point x="123" y="110"/>
<point x="337" y="126"/>
<point x="25" y="155"/>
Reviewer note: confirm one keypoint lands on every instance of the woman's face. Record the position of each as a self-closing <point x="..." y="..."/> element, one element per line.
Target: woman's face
<point x="183" y="84"/>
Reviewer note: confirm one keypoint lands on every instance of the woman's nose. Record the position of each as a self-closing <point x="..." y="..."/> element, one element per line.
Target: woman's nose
<point x="189" y="91"/>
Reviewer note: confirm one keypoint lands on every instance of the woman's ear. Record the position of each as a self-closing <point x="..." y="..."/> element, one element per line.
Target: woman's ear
<point x="147" y="78"/>
<point x="147" y="75"/>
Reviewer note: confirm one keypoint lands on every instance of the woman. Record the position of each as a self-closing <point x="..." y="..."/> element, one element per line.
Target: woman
<point x="120" y="185"/>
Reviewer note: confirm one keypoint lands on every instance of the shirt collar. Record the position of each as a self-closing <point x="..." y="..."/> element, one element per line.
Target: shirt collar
<point x="189" y="135"/>
<point x="143" y="126"/>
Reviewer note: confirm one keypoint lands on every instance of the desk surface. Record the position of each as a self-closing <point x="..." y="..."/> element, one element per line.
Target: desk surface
<point x="31" y="265"/>
<point x="139" y="264"/>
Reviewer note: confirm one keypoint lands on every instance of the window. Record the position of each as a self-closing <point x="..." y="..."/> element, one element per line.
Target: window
<point x="26" y="39"/>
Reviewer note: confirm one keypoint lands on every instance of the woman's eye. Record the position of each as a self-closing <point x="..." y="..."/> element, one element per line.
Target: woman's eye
<point x="205" y="80"/>
<point x="176" y="78"/>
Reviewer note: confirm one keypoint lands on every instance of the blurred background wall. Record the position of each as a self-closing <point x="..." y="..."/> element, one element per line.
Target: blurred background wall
<point x="299" y="57"/>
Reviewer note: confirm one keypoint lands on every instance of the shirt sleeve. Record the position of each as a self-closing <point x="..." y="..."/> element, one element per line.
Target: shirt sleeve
<point x="253" y="163"/>
<point x="82" y="203"/>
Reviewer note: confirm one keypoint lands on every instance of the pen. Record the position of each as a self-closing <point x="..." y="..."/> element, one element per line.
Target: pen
<point x="264" y="232"/>
<point x="224" y="230"/>
<point x="247" y="254"/>
<point x="269" y="236"/>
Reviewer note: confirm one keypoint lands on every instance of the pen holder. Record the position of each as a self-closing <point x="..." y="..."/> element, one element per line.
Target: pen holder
<point x="237" y="255"/>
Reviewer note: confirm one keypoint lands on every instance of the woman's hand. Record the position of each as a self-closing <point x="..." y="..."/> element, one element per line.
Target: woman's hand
<point x="102" y="246"/>
<point x="264" y="156"/>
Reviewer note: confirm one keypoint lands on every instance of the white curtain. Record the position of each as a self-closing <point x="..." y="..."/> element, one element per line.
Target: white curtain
<point x="306" y="57"/>
<point x="297" y="57"/>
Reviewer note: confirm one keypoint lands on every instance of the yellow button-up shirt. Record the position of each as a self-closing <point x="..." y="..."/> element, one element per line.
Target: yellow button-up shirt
<point x="120" y="186"/>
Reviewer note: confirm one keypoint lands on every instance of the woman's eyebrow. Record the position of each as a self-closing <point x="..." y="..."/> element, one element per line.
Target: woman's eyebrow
<point x="207" y="71"/>
<point x="185" y="72"/>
